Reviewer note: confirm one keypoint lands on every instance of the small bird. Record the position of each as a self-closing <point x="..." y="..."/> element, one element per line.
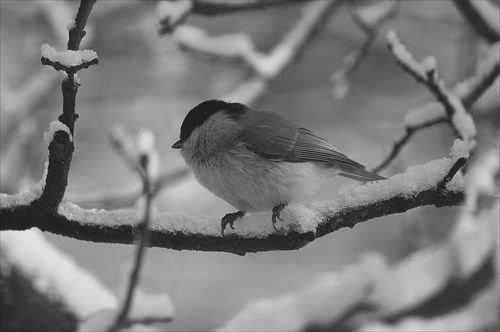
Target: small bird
<point x="258" y="160"/>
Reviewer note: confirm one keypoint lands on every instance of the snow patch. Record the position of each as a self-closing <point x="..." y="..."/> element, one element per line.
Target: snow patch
<point x="53" y="128"/>
<point x="67" y="58"/>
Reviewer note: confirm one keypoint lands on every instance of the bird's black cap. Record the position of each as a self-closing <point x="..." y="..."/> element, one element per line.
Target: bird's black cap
<point x="200" y="113"/>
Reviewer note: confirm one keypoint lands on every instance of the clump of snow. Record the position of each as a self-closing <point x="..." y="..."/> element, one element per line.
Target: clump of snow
<point x="55" y="273"/>
<point x="67" y="58"/>
<point x="426" y="113"/>
<point x="429" y="64"/>
<point x="56" y="126"/>
<point x="327" y="298"/>
<point x="461" y="149"/>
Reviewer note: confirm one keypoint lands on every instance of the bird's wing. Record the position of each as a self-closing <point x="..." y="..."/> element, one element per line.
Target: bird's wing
<point x="268" y="134"/>
<point x="309" y="147"/>
<point x="273" y="137"/>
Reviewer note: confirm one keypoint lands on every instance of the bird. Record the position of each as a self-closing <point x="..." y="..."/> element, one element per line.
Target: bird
<point x="258" y="160"/>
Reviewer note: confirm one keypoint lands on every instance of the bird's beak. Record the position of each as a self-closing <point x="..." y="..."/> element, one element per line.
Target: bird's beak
<point x="178" y="144"/>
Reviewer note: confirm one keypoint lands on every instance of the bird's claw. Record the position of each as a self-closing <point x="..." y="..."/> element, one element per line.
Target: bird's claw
<point x="276" y="214"/>
<point x="229" y="219"/>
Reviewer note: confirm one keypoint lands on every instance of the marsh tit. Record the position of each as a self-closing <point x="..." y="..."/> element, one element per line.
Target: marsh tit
<point x="257" y="160"/>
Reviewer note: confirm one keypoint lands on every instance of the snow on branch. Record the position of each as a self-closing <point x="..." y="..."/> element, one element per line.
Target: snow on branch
<point x="426" y="72"/>
<point x="267" y="68"/>
<point x="173" y="13"/>
<point x="450" y="286"/>
<point x="487" y="71"/>
<point x="483" y="16"/>
<point x="68" y="61"/>
<point x="465" y="93"/>
<point x="421" y="185"/>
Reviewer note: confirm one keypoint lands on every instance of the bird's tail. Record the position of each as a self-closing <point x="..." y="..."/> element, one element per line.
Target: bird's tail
<point x="361" y="175"/>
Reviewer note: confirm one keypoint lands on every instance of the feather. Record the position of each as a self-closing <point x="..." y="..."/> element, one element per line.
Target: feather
<point x="268" y="134"/>
<point x="273" y="137"/>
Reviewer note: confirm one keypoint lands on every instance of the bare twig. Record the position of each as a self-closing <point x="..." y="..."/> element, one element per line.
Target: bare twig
<point x="143" y="235"/>
<point x="400" y="143"/>
<point x="146" y="166"/>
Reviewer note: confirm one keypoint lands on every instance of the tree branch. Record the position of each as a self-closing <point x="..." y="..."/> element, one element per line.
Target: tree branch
<point x="468" y="92"/>
<point x="471" y="11"/>
<point x="73" y="69"/>
<point x="181" y="232"/>
<point x="174" y="13"/>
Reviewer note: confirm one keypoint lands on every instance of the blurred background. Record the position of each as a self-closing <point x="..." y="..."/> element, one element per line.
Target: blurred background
<point x="144" y="80"/>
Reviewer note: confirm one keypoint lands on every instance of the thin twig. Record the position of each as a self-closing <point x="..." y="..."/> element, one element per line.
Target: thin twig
<point x="144" y="238"/>
<point x="399" y="144"/>
<point x="451" y="173"/>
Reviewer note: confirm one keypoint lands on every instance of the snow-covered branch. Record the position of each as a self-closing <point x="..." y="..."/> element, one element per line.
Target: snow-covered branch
<point x="433" y="113"/>
<point x="173" y="13"/>
<point x="418" y="186"/>
<point x="141" y="155"/>
<point x="426" y="73"/>
<point x="451" y="286"/>
<point x="483" y="16"/>
<point x="266" y="68"/>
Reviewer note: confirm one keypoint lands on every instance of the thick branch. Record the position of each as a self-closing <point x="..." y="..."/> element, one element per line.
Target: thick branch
<point x="169" y="230"/>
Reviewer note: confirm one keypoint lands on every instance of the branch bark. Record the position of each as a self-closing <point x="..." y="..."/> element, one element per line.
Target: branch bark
<point x="167" y="230"/>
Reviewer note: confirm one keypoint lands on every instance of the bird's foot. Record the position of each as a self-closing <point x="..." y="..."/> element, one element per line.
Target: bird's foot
<point x="276" y="213"/>
<point x="229" y="219"/>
